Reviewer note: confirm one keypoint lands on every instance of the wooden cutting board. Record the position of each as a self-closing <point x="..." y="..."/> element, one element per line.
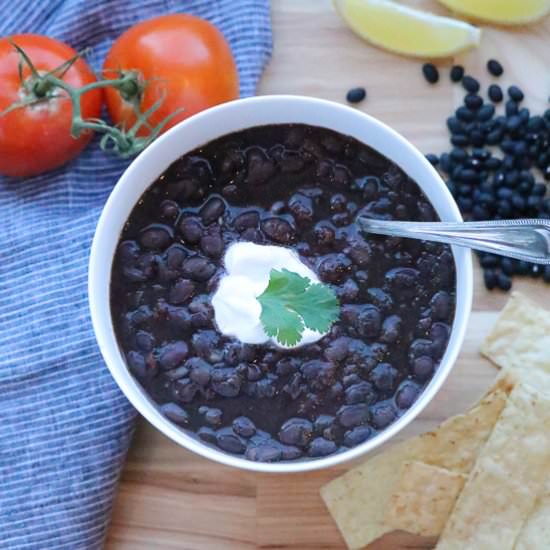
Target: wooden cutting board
<point x="172" y="499"/>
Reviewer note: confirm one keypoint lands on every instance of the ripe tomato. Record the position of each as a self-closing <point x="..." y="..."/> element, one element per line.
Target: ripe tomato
<point x="37" y="138"/>
<point x="183" y="56"/>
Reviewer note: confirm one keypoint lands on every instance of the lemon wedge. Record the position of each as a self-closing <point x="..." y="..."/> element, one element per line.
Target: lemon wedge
<point x="406" y="30"/>
<point x="505" y="12"/>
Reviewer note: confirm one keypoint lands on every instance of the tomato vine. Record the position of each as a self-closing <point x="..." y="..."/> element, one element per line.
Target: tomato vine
<point x="125" y="142"/>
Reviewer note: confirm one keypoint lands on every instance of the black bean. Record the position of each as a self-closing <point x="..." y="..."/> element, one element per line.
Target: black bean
<point x="356" y="95"/>
<point x="204" y="344"/>
<point x="206" y="434"/>
<point x="494" y="137"/>
<point x="546" y="274"/>
<point x="457" y="72"/>
<point x="504" y="208"/>
<point x="504" y="282"/>
<point x="322" y="422"/>
<point x="441" y="305"/>
<point x="455" y="127"/>
<point x="522" y="268"/>
<point x="473" y="102"/>
<point x="211" y="415"/>
<point x="511" y="108"/>
<point x="430" y="72"/>
<point x="360" y="252"/>
<point x="460" y="140"/>
<point x="383" y="414"/>
<point x="432" y="159"/>
<point x="350" y="416"/>
<point x="212" y="243"/>
<point x="172" y="355"/>
<point x="169" y="209"/>
<point x="507" y="265"/>
<point x="145" y="341"/>
<point x="137" y="364"/>
<point x="360" y="392"/>
<point x="515" y="93"/>
<point x="212" y="210"/>
<point x="296" y="432"/>
<point x="402" y="280"/>
<point x="357" y="435"/>
<point x="191" y="229"/>
<point x="301" y="208"/>
<point x="384" y="377"/>
<point x="470" y="84"/>
<point x="198" y="269"/>
<point x="260" y="168"/>
<point x="321" y="447"/>
<point x="486" y="112"/>
<point x="200" y="371"/>
<point x="181" y="291"/>
<point x="226" y="382"/>
<point x="334" y="268"/>
<point x="513" y="122"/>
<point x="423" y="367"/>
<point x="267" y="452"/>
<point x="318" y="373"/>
<point x="490" y="278"/>
<point x="278" y="230"/>
<point x="494" y="67"/>
<point x="464" y="114"/>
<point x="406" y="395"/>
<point x="505" y="193"/>
<point x="495" y="93"/>
<point x="227" y="440"/>
<point x="156" y="236"/>
<point x="184" y="390"/>
<point x="477" y="139"/>
<point x="246" y="220"/>
<point x="175" y="413"/>
<point x="244" y="427"/>
<point x="391" y="329"/>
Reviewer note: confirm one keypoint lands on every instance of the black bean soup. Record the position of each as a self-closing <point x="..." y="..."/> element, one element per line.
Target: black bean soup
<point x="300" y="187"/>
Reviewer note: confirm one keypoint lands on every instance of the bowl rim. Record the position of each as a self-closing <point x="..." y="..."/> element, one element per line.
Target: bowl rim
<point x="101" y="313"/>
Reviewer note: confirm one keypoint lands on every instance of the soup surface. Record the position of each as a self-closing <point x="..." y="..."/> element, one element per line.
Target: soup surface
<point x="299" y="187"/>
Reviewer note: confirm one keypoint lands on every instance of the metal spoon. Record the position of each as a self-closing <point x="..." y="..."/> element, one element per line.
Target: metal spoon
<point x="523" y="239"/>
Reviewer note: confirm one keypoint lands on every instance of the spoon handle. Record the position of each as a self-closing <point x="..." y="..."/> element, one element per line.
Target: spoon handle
<point x="522" y="239"/>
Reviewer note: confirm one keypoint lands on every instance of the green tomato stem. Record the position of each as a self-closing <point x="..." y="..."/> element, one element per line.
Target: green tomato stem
<point x="123" y="142"/>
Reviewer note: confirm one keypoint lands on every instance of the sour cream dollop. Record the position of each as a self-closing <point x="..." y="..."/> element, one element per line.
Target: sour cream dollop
<point x="247" y="269"/>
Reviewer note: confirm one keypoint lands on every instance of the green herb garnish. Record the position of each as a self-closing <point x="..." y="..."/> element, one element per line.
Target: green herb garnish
<point x="291" y="303"/>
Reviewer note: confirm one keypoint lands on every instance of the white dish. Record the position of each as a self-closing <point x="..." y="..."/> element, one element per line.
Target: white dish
<point x="207" y="126"/>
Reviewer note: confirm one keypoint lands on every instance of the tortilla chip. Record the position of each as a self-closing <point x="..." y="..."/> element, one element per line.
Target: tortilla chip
<point x="508" y="476"/>
<point x="519" y="343"/>
<point x="535" y="533"/>
<point x="358" y="499"/>
<point x="520" y="338"/>
<point x="423" y="499"/>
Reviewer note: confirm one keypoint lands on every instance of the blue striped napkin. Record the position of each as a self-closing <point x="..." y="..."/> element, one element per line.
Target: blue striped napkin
<point x="64" y="425"/>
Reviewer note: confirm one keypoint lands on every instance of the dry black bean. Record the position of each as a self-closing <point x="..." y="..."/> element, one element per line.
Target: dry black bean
<point x="356" y="95"/>
<point x="494" y="67"/>
<point x="457" y="72"/>
<point x="430" y="72"/>
<point x="515" y="93"/>
<point x="470" y="84"/>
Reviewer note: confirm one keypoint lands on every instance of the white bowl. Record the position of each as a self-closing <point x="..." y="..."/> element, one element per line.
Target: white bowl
<point x="199" y="130"/>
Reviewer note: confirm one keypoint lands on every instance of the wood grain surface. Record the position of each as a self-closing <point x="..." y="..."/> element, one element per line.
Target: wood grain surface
<point x="171" y="499"/>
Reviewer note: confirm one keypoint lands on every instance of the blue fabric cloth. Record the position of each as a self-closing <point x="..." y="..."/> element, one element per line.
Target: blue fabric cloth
<point x="64" y="425"/>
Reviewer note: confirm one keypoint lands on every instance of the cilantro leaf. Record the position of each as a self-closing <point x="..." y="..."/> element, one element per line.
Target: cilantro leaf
<point x="290" y="303"/>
